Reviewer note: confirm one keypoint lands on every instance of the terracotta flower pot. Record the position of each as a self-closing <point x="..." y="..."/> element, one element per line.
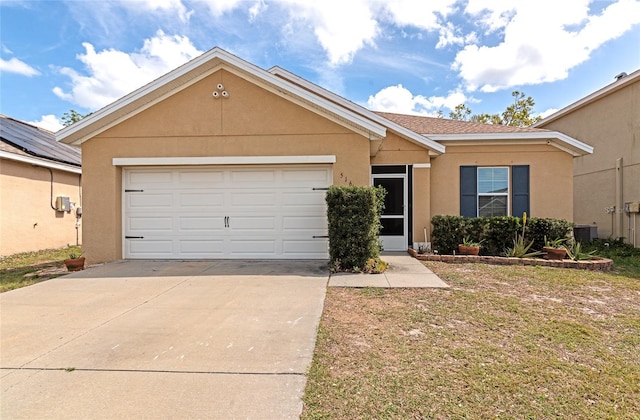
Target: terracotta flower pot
<point x="468" y="250"/>
<point x="554" y="253"/>
<point x="74" y="264"/>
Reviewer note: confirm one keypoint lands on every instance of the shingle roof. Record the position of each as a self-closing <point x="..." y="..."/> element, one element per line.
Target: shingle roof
<point x="26" y="139"/>
<point x="432" y="125"/>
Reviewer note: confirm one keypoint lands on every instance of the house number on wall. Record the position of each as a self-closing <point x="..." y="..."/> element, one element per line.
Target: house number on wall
<point x="345" y="179"/>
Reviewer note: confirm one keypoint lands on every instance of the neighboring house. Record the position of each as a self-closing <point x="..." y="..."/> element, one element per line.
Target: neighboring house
<point x="222" y="159"/>
<point x="606" y="190"/>
<point x="35" y="171"/>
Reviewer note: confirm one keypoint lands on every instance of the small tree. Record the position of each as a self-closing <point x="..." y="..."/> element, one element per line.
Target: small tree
<point x="518" y="114"/>
<point x="71" y="117"/>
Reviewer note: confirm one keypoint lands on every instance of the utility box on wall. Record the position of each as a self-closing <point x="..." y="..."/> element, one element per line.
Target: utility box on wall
<point x="63" y="204"/>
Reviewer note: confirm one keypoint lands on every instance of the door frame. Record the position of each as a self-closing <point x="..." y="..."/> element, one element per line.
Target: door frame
<point x="397" y="243"/>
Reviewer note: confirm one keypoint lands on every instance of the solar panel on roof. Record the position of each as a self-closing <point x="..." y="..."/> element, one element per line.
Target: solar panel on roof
<point x="37" y="142"/>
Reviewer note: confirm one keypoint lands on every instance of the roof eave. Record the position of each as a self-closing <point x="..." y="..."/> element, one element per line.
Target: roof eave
<point x="607" y="90"/>
<point x="37" y="161"/>
<point x="551" y="138"/>
<point x="435" y="148"/>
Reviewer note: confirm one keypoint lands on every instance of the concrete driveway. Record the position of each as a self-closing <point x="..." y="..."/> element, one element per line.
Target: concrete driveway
<point x="158" y="339"/>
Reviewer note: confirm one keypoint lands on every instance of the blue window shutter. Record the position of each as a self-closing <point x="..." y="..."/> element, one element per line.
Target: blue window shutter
<point x="520" y="190"/>
<point x="468" y="191"/>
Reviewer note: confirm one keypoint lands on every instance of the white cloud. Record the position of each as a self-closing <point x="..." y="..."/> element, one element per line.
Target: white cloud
<point x="341" y="27"/>
<point x="420" y="13"/>
<point x="539" y="46"/>
<point x="258" y="8"/>
<point x="399" y="99"/>
<point x="48" y="122"/>
<point x="113" y="73"/>
<point x="168" y="6"/>
<point x="547" y="112"/>
<point x="13" y="65"/>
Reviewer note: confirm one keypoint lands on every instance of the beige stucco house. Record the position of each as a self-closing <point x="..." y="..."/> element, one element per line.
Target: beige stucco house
<point x="606" y="190"/>
<point x="222" y="159"/>
<point x="40" y="189"/>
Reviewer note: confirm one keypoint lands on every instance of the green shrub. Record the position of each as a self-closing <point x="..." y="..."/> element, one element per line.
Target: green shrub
<point x="447" y="233"/>
<point x="353" y="214"/>
<point x="497" y="233"/>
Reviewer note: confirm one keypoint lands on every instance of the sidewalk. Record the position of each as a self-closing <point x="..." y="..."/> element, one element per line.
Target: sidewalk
<point x="403" y="271"/>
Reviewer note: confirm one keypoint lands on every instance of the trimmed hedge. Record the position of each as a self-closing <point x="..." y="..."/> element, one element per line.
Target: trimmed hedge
<point x="497" y="233"/>
<point x="353" y="214"/>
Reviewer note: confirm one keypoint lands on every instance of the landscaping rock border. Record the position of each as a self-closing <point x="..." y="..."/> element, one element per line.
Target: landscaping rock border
<point x="596" y="264"/>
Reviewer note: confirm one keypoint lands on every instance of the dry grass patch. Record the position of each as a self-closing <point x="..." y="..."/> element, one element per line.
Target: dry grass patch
<point x="506" y="342"/>
<point x="27" y="268"/>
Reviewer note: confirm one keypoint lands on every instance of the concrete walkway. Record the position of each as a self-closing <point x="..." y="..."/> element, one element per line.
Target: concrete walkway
<point x="403" y="271"/>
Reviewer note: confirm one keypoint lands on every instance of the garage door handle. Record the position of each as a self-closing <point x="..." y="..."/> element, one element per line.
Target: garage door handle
<point x="319" y="236"/>
<point x="133" y="190"/>
<point x="134" y="237"/>
<point x="320" y="189"/>
<point x="226" y="221"/>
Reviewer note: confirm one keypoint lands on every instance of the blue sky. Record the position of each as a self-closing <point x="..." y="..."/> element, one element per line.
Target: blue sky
<point x="407" y="56"/>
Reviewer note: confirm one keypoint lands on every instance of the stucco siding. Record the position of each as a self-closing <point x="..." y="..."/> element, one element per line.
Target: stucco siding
<point x="611" y="124"/>
<point x="250" y="122"/>
<point x="28" y="221"/>
<point x="551" y="180"/>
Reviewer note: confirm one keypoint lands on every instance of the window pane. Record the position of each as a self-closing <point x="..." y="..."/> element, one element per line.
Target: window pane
<point x="392" y="227"/>
<point x="394" y="200"/>
<point x="493" y="180"/>
<point x="492" y="206"/>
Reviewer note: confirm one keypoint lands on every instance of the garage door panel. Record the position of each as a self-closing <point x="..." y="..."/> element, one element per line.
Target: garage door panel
<point x="149" y="200"/>
<point x="156" y="224"/>
<point x="253" y="247"/>
<point x="201" y="201"/>
<point x="201" y="224"/>
<point x="246" y="223"/>
<point x="294" y="177"/>
<point x="305" y="248"/>
<point x="198" y="179"/>
<point x="251" y="199"/>
<point x="251" y="178"/>
<point x="303" y="198"/>
<point x="149" y="248"/>
<point x="150" y="179"/>
<point x="201" y="248"/>
<point x="301" y="223"/>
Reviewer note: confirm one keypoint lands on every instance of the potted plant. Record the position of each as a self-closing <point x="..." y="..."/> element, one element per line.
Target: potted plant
<point x="469" y="246"/>
<point x="75" y="262"/>
<point x="555" y="249"/>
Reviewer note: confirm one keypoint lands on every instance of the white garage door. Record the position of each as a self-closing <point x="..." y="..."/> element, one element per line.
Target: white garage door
<point x="238" y="212"/>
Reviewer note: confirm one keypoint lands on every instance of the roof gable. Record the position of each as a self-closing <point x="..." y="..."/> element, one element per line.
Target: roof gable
<point x="197" y="69"/>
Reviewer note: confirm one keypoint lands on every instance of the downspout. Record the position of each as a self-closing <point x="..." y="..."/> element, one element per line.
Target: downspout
<point x="619" y="226"/>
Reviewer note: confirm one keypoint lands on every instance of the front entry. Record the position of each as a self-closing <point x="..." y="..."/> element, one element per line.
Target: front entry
<point x="394" y="216"/>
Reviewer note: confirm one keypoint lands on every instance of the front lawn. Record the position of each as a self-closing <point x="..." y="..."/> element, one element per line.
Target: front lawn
<point x="24" y="269"/>
<point x="503" y="341"/>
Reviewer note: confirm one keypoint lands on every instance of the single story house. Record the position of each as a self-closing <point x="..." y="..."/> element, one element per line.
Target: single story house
<point x="222" y="159"/>
<point x="40" y="189"/>
<point x="606" y="193"/>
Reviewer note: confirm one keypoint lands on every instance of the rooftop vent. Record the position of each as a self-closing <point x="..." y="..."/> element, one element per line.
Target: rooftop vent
<point x="621" y="75"/>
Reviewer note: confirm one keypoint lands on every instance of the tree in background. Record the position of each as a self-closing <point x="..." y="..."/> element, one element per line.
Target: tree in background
<point x="517" y="114"/>
<point x="70" y="117"/>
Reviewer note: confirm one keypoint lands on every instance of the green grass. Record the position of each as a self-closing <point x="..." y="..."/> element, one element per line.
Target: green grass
<point x="503" y="341"/>
<point x="20" y="270"/>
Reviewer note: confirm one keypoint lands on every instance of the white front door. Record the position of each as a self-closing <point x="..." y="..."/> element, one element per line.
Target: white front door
<point x="394" y="216"/>
<point x="217" y="212"/>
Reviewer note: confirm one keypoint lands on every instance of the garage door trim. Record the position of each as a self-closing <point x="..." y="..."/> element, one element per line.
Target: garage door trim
<point x="224" y="160"/>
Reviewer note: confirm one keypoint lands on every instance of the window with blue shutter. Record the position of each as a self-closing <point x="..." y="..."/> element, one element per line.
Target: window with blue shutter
<point x="484" y="191"/>
<point x="468" y="191"/>
<point x="520" y="190"/>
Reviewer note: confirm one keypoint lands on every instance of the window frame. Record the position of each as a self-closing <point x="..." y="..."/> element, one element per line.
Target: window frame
<point x="506" y="194"/>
